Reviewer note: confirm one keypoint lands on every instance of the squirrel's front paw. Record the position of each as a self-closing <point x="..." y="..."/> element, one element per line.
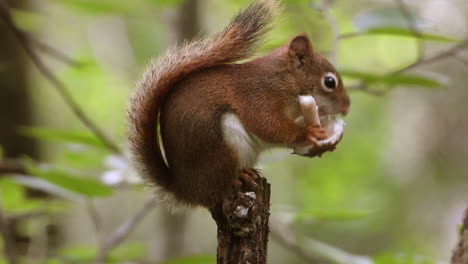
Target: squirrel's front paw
<point x="316" y="133"/>
<point x="320" y="140"/>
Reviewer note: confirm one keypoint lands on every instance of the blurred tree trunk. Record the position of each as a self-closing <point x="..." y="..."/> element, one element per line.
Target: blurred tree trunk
<point x="186" y="26"/>
<point x="15" y="110"/>
<point x="15" y="101"/>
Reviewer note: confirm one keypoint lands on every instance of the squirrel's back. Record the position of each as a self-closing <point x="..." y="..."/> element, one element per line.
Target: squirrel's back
<point x="236" y="42"/>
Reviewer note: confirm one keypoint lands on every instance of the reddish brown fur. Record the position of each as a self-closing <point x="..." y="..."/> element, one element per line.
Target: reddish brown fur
<point x="194" y="93"/>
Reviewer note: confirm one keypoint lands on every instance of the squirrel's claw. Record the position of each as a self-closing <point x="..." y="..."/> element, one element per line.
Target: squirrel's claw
<point x="248" y="179"/>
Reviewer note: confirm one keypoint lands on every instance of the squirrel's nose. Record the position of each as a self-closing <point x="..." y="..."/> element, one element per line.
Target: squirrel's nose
<point x="344" y="105"/>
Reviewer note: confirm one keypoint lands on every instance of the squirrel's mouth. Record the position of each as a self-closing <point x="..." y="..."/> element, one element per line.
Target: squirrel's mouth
<point x="313" y="116"/>
<point x="334" y="127"/>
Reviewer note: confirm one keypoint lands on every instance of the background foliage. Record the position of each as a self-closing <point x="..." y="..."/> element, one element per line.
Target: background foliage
<point x="393" y="192"/>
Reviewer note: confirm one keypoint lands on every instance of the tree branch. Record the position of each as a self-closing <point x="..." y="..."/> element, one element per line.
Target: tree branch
<point x="462" y="60"/>
<point x="242" y="219"/>
<point x="445" y="54"/>
<point x="460" y="254"/>
<point x="124" y="230"/>
<point x="12" y="166"/>
<point x="53" y="52"/>
<point x="435" y="58"/>
<point x="95" y="219"/>
<point x="314" y="251"/>
<point x="59" y="86"/>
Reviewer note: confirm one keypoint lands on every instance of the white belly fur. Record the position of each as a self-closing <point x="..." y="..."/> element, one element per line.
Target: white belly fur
<point x="246" y="146"/>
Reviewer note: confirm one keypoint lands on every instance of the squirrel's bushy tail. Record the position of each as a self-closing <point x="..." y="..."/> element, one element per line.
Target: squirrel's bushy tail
<point x="236" y="42"/>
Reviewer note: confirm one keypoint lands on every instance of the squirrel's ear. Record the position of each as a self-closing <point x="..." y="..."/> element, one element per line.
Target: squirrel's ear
<point x="299" y="48"/>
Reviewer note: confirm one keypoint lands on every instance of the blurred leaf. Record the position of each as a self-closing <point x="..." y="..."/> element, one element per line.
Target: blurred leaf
<point x="132" y="251"/>
<point x="84" y="186"/>
<point x="27" y="20"/>
<point x="79" y="253"/>
<point x="67" y="136"/>
<point x="84" y="158"/>
<point x="404" y="32"/>
<point x="54" y="261"/>
<point x="200" y="259"/>
<point x="124" y="253"/>
<point x="393" y="80"/>
<point x="14" y="199"/>
<point x="166" y="2"/>
<point x="390" y="21"/>
<point x="323" y="215"/>
<point x="99" y="7"/>
<point x="403" y="259"/>
<point x="45" y="186"/>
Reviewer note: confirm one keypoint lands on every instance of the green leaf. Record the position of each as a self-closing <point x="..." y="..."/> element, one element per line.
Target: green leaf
<point x="390" y="21"/>
<point x="46" y="186"/>
<point x="84" y="159"/>
<point x="27" y="20"/>
<point x="132" y="251"/>
<point x="405" y="32"/>
<point x="198" y="259"/>
<point x="66" y="136"/>
<point x="99" y="7"/>
<point x="166" y="2"/>
<point x="14" y="199"/>
<point x="124" y="253"/>
<point x="403" y="259"/>
<point x="394" y="80"/>
<point x="53" y="261"/>
<point x="79" y="253"/>
<point x="84" y="186"/>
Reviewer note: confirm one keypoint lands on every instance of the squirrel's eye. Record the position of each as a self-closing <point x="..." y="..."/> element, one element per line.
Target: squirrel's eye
<point x="329" y="82"/>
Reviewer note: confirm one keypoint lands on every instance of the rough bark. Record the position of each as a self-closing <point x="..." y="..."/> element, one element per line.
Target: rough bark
<point x="460" y="254"/>
<point x="243" y="229"/>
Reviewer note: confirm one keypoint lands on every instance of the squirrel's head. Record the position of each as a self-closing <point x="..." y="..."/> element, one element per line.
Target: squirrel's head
<point x="314" y="75"/>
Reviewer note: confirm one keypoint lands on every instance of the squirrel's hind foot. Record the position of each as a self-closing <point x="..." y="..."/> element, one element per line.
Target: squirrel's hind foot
<point x="246" y="180"/>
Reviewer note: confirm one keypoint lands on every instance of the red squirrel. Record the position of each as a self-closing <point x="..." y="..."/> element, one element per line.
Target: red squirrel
<point x="216" y="116"/>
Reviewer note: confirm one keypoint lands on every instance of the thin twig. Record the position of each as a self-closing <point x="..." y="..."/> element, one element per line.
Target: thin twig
<point x="314" y="251"/>
<point x="7" y="239"/>
<point x="411" y="21"/>
<point x="95" y="219"/>
<point x="12" y="166"/>
<point x="442" y="55"/>
<point x="461" y="60"/>
<point x="325" y="9"/>
<point x="53" y="52"/>
<point x="448" y="53"/>
<point x="122" y="232"/>
<point x="59" y="86"/>
<point x="288" y="242"/>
